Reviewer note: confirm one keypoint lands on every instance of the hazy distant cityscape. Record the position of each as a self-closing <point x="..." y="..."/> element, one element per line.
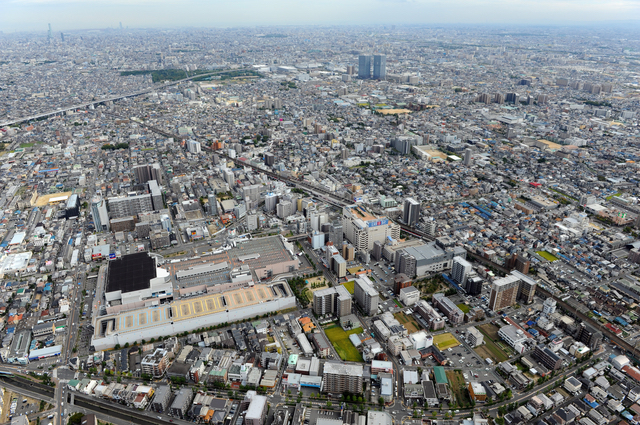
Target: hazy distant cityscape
<point x="326" y="225"/>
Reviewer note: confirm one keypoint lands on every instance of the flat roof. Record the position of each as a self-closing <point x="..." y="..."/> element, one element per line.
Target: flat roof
<point x="130" y="272"/>
<point x="256" y="407"/>
<point x="343" y="369"/>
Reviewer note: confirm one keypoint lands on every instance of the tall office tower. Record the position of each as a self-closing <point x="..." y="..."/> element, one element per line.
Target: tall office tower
<point x="121" y="25"/>
<point x="62" y="37"/>
<point x="411" y="211"/>
<point x="156" y="195"/>
<point x="100" y="214"/>
<point x="460" y="270"/>
<point x="379" y="67"/>
<point x="144" y="173"/>
<point x="511" y="98"/>
<point x="338" y="378"/>
<point x="351" y="69"/>
<point x="366" y="296"/>
<point x="467" y="157"/>
<point x="49" y="33"/>
<point x="364" y="66"/>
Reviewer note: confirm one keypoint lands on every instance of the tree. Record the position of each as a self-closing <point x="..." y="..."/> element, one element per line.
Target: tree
<point x="380" y="401"/>
<point x="75" y="419"/>
<point x="329" y="404"/>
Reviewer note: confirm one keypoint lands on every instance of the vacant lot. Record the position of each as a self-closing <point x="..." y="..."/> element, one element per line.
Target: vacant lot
<point x="340" y="341"/>
<point x="465" y="308"/>
<point x="409" y="322"/>
<point x="445" y="341"/>
<point x="547" y="255"/>
<point x="350" y="286"/>
<point x="490" y="347"/>
<point x="458" y="387"/>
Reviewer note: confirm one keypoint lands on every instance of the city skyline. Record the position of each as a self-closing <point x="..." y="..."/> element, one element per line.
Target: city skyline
<point x="73" y="15"/>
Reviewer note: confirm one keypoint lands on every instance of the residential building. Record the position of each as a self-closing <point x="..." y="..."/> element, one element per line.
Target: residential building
<point x="257" y="410"/>
<point x="129" y="205"/>
<point x="507" y="290"/>
<point x="366" y="296"/>
<point x="448" y="308"/>
<point x="161" y="399"/>
<point x="460" y="270"/>
<point x="474" y="337"/>
<point x="364" y="67"/>
<point x="411" y="211"/>
<point x="379" y="67"/>
<point x="342" y="377"/>
<point x="547" y="358"/>
<point x="181" y="403"/>
<point x="156" y="363"/>
<point x="335" y="300"/>
<point x="100" y="214"/>
<point x="589" y="336"/>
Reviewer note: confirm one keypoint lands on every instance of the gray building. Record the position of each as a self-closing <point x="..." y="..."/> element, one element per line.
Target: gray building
<point x="364" y="66"/>
<point x="100" y="214"/>
<point x="181" y="403"/>
<point x="411" y="212"/>
<point x="161" y="399"/>
<point x="366" y="296"/>
<point x="380" y="67"/>
<point x="430" y="257"/>
<point x="156" y="195"/>
<point x="130" y="205"/>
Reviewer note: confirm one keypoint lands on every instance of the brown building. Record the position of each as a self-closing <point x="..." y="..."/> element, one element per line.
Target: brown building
<point x="401" y="281"/>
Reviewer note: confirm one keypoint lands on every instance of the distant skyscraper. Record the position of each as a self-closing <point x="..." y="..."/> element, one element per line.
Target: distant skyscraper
<point x="49" y="33"/>
<point x="62" y="37"/>
<point x="379" y="67"/>
<point x="467" y="157"/>
<point x="364" y="66"/>
<point x="121" y="25"/>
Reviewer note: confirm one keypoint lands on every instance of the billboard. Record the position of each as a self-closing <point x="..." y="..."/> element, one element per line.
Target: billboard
<point x="376" y="223"/>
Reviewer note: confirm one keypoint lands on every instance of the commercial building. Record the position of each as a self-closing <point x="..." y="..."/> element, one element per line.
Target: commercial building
<point x="411" y="211"/>
<point x="156" y="363"/>
<point x="513" y="336"/>
<point x="401" y="281"/>
<point x="428" y="258"/>
<point x="135" y="279"/>
<point x="433" y="319"/>
<point x="342" y="377"/>
<point x="72" y="209"/>
<point x="448" y="308"/>
<point x="460" y="270"/>
<point x="362" y="229"/>
<point x="366" y="296"/>
<point x="323" y="347"/>
<point x="335" y="300"/>
<point x="507" y="290"/>
<point x="474" y="337"/>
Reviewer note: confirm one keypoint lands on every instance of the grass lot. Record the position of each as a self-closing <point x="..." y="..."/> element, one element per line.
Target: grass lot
<point x="547" y="256"/>
<point x="490" y="348"/>
<point x="445" y="341"/>
<point x="398" y="303"/>
<point x="340" y="341"/>
<point x="465" y="308"/>
<point x="26" y="145"/>
<point x="458" y="387"/>
<point x="408" y="322"/>
<point x="350" y="286"/>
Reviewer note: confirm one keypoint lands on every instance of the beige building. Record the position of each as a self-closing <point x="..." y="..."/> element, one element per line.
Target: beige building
<point x="362" y="228"/>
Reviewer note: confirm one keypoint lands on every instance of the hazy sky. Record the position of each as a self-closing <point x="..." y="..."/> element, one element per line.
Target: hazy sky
<point x="30" y="15"/>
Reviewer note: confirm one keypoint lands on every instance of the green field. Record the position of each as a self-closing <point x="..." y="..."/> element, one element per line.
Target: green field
<point x="458" y="387"/>
<point x="547" y="256"/>
<point x="445" y="341"/>
<point x="340" y="341"/>
<point x="465" y="308"/>
<point x="350" y="286"/>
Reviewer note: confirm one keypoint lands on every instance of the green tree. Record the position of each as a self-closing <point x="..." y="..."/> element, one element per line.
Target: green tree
<point x="381" y="401"/>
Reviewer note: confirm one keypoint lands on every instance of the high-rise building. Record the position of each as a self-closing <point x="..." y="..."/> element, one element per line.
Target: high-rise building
<point x="156" y="195"/>
<point x="364" y="66"/>
<point x="72" y="209"/>
<point x="474" y="336"/>
<point x="130" y="205"/>
<point x="512" y="98"/>
<point x="589" y="336"/>
<point x="156" y="363"/>
<point x="339" y="378"/>
<point x="269" y="159"/>
<point x="467" y="157"/>
<point x="100" y="214"/>
<point x="547" y="358"/>
<point x="507" y="290"/>
<point x="144" y="173"/>
<point x="411" y="211"/>
<point x="548" y="307"/>
<point x="212" y="205"/>
<point x="270" y="202"/>
<point x="460" y="270"/>
<point x="366" y="296"/>
<point x="473" y="285"/>
<point x="335" y="300"/>
<point x="379" y="67"/>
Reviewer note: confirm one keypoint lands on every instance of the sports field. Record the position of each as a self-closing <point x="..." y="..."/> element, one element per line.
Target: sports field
<point x="547" y="256"/>
<point x="407" y="321"/>
<point x="445" y="341"/>
<point x="340" y="341"/>
<point x="350" y="286"/>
